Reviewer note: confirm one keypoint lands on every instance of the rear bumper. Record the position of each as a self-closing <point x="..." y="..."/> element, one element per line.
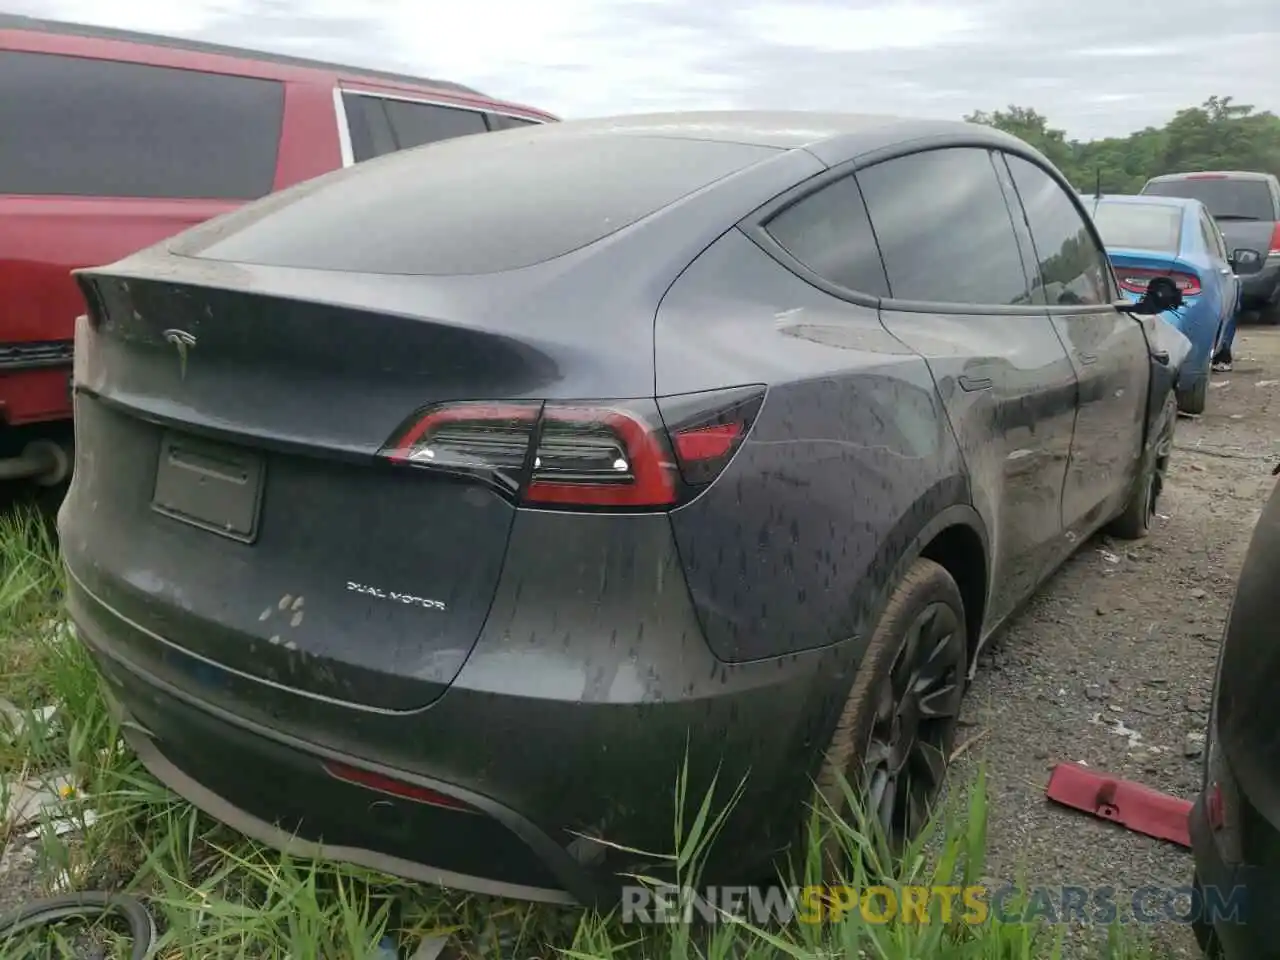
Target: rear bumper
<point x="1254" y="932"/>
<point x="252" y="780"/>
<point x="1262" y="288"/>
<point x="553" y="733"/>
<point x="39" y="393"/>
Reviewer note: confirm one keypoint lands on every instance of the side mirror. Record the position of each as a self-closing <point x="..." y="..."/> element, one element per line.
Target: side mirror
<point x="1245" y="260"/>
<point x="1162" y="294"/>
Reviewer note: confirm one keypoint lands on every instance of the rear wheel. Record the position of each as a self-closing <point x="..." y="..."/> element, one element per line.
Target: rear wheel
<point x="895" y="736"/>
<point x="1134" y="522"/>
<point x="1195" y="399"/>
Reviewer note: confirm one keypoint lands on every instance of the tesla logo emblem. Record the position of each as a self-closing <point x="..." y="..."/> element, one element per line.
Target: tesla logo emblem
<point x="184" y="342"/>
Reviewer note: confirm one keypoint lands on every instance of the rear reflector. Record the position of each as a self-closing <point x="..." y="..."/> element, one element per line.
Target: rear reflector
<point x="1136" y="280"/>
<point x="396" y="788"/>
<point x="615" y="455"/>
<point x="708" y="428"/>
<point x="1274" y="250"/>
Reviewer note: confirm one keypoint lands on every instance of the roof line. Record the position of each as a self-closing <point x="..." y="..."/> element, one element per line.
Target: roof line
<point x="14" y="21"/>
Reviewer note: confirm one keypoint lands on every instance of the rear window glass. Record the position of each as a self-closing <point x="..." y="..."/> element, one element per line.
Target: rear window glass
<point x="1225" y="198"/>
<point x="1139" y="226"/>
<point x="472" y="204"/>
<point x="72" y="126"/>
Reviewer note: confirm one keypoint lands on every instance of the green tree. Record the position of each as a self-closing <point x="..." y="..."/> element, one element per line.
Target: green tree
<point x="1220" y="134"/>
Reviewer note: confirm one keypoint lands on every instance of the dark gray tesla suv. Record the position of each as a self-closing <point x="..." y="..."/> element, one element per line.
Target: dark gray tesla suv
<point x="1235" y="825"/>
<point x="428" y="515"/>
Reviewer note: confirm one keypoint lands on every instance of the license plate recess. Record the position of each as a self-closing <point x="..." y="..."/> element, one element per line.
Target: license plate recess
<point x="210" y="485"/>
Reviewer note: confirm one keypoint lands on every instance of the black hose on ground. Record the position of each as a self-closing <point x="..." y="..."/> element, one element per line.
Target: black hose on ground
<point x="86" y="905"/>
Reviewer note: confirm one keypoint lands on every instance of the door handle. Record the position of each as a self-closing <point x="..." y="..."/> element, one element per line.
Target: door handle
<point x="970" y="384"/>
<point x="1087" y="358"/>
<point x="1225" y="271"/>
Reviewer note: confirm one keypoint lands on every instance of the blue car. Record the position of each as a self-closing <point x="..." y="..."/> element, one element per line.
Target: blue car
<point x="1148" y="237"/>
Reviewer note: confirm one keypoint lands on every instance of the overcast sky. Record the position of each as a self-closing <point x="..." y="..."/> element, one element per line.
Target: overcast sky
<point x="1095" y="67"/>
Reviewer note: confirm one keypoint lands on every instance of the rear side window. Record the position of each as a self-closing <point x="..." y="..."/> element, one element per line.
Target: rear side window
<point x="1140" y="226"/>
<point x="417" y="123"/>
<point x="1213" y="237"/>
<point x="71" y="126"/>
<point x="1073" y="269"/>
<point x="945" y="229"/>
<point x="1227" y="199"/>
<point x="381" y="125"/>
<point x="369" y="127"/>
<point x="1217" y="242"/>
<point x="829" y="232"/>
<point x="471" y="205"/>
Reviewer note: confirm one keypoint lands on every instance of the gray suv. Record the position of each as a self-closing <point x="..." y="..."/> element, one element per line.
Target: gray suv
<point x="1246" y="207"/>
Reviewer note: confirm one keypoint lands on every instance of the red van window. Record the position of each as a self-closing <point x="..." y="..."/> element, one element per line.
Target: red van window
<point x="74" y="126"/>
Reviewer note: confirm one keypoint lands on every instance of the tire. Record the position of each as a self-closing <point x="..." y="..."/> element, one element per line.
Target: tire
<point x="1195" y="400"/>
<point x="925" y="612"/>
<point x="1134" y="521"/>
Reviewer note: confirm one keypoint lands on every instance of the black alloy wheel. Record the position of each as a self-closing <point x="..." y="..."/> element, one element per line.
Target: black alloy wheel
<point x="914" y="723"/>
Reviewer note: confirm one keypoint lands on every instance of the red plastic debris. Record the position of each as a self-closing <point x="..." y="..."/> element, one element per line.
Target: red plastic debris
<point x="1124" y="802"/>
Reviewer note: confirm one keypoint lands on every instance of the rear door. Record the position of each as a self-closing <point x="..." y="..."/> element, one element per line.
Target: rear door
<point x="960" y="298"/>
<point x="100" y="158"/>
<point x="1108" y="348"/>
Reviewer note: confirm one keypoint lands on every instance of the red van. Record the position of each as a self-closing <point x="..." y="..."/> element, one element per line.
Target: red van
<point x="111" y="141"/>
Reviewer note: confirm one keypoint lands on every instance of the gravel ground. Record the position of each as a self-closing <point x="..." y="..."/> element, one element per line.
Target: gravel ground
<point x="1112" y="662"/>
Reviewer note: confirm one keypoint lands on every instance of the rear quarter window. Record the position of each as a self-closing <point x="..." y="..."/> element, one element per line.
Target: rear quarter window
<point x="72" y="126"/>
<point x="830" y="233"/>
<point x="502" y="121"/>
<point x="470" y="205"/>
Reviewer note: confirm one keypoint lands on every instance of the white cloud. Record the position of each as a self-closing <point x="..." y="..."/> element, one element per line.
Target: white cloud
<point x="573" y="57"/>
<point x="177" y="17"/>
<point x="889" y="26"/>
<point x="929" y="57"/>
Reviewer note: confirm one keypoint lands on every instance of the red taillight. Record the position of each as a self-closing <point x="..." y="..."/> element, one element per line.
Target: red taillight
<point x="610" y="457"/>
<point x="1213" y="807"/>
<point x="708" y="428"/>
<point x="1274" y="250"/>
<point x="396" y="788"/>
<point x="1136" y="279"/>
<point x="697" y="444"/>
<point x="488" y="441"/>
<point x="590" y="454"/>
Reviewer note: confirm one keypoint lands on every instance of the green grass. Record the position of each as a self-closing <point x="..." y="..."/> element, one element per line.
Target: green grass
<point x="218" y="895"/>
